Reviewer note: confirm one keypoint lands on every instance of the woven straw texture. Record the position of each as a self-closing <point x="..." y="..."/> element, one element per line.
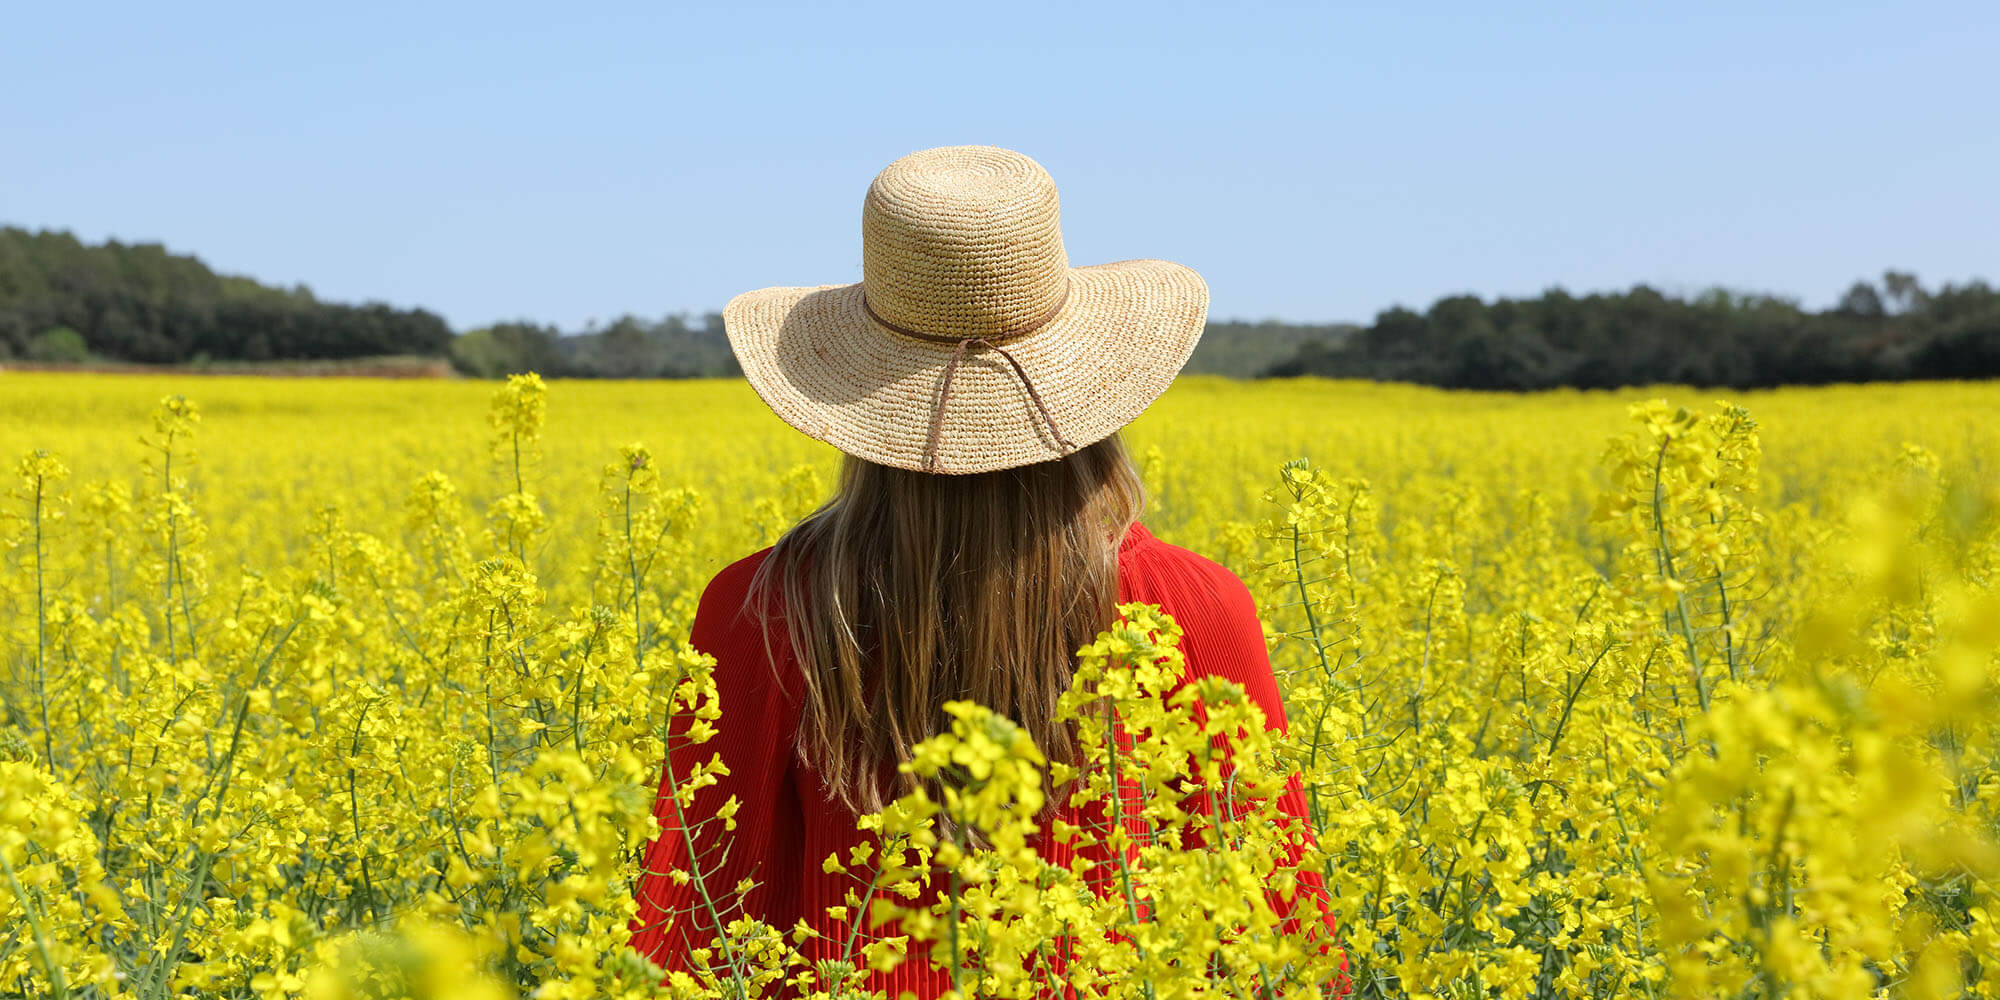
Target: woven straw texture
<point x="960" y="242"/>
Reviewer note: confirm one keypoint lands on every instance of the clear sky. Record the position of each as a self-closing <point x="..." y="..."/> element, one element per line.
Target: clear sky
<point x="564" y="162"/>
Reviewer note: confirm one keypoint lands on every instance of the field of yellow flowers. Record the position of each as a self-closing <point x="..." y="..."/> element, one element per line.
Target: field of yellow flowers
<point x="345" y="688"/>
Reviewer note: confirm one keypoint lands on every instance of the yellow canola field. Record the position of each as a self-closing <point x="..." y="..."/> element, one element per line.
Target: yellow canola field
<point x="1660" y="692"/>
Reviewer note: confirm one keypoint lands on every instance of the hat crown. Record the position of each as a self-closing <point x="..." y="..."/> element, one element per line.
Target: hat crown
<point x="963" y="241"/>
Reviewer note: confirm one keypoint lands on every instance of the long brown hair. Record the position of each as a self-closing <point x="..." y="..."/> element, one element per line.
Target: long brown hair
<point x="907" y="590"/>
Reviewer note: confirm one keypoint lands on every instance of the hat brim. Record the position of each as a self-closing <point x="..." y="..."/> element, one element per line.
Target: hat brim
<point x="824" y="366"/>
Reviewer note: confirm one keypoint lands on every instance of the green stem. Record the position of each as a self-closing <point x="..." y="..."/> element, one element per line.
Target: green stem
<point x="694" y="872"/>
<point x="354" y="807"/>
<point x="164" y="969"/>
<point x="173" y="544"/>
<point x="1326" y="668"/>
<point x="632" y="569"/>
<point x="57" y="986"/>
<point x="1665" y="562"/>
<point x="41" y="635"/>
<point x="957" y="956"/>
<point x="1118" y="821"/>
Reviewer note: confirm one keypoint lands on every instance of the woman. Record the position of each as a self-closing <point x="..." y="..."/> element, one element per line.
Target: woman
<point x="985" y="526"/>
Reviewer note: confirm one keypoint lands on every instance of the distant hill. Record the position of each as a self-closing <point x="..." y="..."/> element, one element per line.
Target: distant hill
<point x="678" y="346"/>
<point x="1241" y="349"/>
<point x="1897" y="330"/>
<point x="630" y="347"/>
<point x="64" y="300"/>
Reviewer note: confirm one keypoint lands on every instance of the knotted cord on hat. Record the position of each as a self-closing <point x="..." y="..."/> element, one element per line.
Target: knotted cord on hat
<point x="958" y="355"/>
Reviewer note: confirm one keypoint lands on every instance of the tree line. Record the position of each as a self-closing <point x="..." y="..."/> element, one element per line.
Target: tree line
<point x="64" y="300"/>
<point x="1896" y="329"/>
<point x="630" y="347"/>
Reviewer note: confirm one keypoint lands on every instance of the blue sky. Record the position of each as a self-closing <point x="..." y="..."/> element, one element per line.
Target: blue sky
<point x="1314" y="162"/>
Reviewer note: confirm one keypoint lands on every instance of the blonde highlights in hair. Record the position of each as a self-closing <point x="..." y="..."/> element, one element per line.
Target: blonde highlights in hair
<point x="908" y="590"/>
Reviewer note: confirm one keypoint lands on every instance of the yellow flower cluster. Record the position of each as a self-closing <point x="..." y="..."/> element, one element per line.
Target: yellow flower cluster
<point x="1184" y="880"/>
<point x="1588" y="695"/>
<point x="1595" y="760"/>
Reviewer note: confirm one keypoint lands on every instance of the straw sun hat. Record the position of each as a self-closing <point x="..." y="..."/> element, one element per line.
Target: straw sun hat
<point x="970" y="344"/>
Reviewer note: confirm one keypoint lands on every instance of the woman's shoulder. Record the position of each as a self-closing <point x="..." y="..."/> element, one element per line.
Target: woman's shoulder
<point x="732" y="582"/>
<point x="1221" y="632"/>
<point x="1150" y="564"/>
<point x="1150" y="569"/>
<point x="744" y="630"/>
<point x="725" y="602"/>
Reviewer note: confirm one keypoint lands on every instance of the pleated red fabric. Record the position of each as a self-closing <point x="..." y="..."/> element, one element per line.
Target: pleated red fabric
<point x="787" y="824"/>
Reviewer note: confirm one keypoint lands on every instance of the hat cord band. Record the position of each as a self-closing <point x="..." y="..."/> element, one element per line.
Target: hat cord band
<point x="958" y="355"/>
<point x="1025" y="328"/>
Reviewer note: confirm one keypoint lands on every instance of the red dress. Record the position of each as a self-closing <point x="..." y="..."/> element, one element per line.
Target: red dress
<point x="786" y="825"/>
